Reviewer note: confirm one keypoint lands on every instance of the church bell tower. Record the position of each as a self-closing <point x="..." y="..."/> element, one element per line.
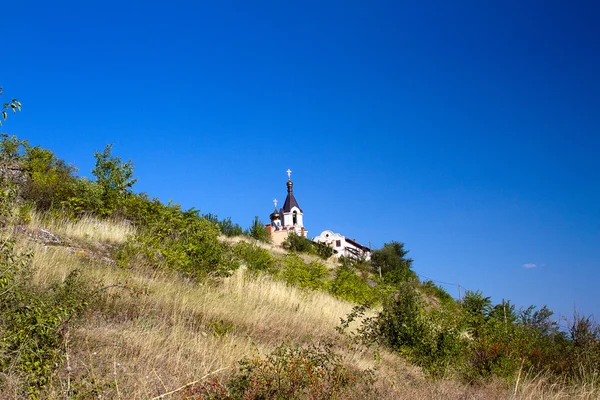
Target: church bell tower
<point x="289" y="218"/>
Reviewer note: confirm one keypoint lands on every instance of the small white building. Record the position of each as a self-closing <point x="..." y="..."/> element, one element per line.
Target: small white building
<point x="342" y="246"/>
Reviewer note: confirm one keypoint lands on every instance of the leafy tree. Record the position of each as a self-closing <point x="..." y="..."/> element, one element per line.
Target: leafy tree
<point x="228" y="228"/>
<point x="258" y="231"/>
<point x="392" y="263"/>
<point x="477" y="306"/>
<point x="115" y="177"/>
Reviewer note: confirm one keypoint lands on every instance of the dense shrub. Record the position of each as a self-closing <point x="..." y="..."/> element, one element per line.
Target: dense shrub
<point x="255" y="257"/>
<point x="86" y="198"/>
<point x="178" y="240"/>
<point x="33" y="322"/>
<point x="351" y="287"/>
<point x="426" y="337"/>
<point x="296" y="272"/>
<point x="300" y="244"/>
<point x="290" y="372"/>
<point x="51" y="180"/>
<point x="477" y="340"/>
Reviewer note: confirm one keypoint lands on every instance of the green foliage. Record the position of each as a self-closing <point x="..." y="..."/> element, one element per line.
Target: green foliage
<point x="258" y="231"/>
<point x="584" y="350"/>
<point x="114" y="177"/>
<point x="291" y="372"/>
<point x="349" y="286"/>
<point x="476" y="309"/>
<point x="51" y="180"/>
<point x="11" y="148"/>
<point x="255" y="257"/>
<point x="228" y="228"/>
<point x="431" y="289"/>
<point x="306" y="276"/>
<point x="301" y="244"/>
<point x="8" y="197"/>
<point x="426" y="337"/>
<point x="86" y="198"/>
<point x="478" y="340"/>
<point x="14" y="105"/>
<point x="33" y="322"/>
<point x="178" y="240"/>
<point x="322" y="250"/>
<point x="392" y="263"/>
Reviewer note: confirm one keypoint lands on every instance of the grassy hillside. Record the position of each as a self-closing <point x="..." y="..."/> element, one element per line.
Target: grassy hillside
<point x="156" y="331"/>
<point x="111" y="294"/>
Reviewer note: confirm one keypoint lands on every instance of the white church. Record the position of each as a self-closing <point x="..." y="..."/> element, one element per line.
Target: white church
<point x="290" y="218"/>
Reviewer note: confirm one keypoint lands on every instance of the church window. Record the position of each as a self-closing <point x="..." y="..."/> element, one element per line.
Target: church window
<point x="295" y="216"/>
<point x="338" y="243"/>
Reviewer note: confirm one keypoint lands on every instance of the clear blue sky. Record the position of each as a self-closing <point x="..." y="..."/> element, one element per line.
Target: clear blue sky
<point x="468" y="130"/>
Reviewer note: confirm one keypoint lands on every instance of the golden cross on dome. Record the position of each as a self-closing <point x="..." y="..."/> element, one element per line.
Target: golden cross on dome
<point x="289" y="172"/>
<point x="275" y="203"/>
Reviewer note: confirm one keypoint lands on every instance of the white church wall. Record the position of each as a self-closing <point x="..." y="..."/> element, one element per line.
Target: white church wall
<point x="339" y="243"/>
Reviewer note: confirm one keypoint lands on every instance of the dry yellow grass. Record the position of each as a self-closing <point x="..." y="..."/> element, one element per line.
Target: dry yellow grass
<point x="142" y="346"/>
<point x="542" y="387"/>
<point x="181" y="330"/>
<point x="86" y="228"/>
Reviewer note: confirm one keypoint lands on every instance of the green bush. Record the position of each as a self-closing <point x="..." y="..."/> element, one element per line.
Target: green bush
<point x="86" y="199"/>
<point x="33" y="322"/>
<point x="428" y="338"/>
<point x="296" y="272"/>
<point x="300" y="244"/>
<point x="8" y="200"/>
<point x="255" y="257"/>
<point x="477" y="340"/>
<point x="290" y="372"/>
<point x="11" y="148"/>
<point x="178" y="240"/>
<point x="258" y="231"/>
<point x="351" y="287"/>
<point x="51" y="180"/>
<point x="322" y="250"/>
